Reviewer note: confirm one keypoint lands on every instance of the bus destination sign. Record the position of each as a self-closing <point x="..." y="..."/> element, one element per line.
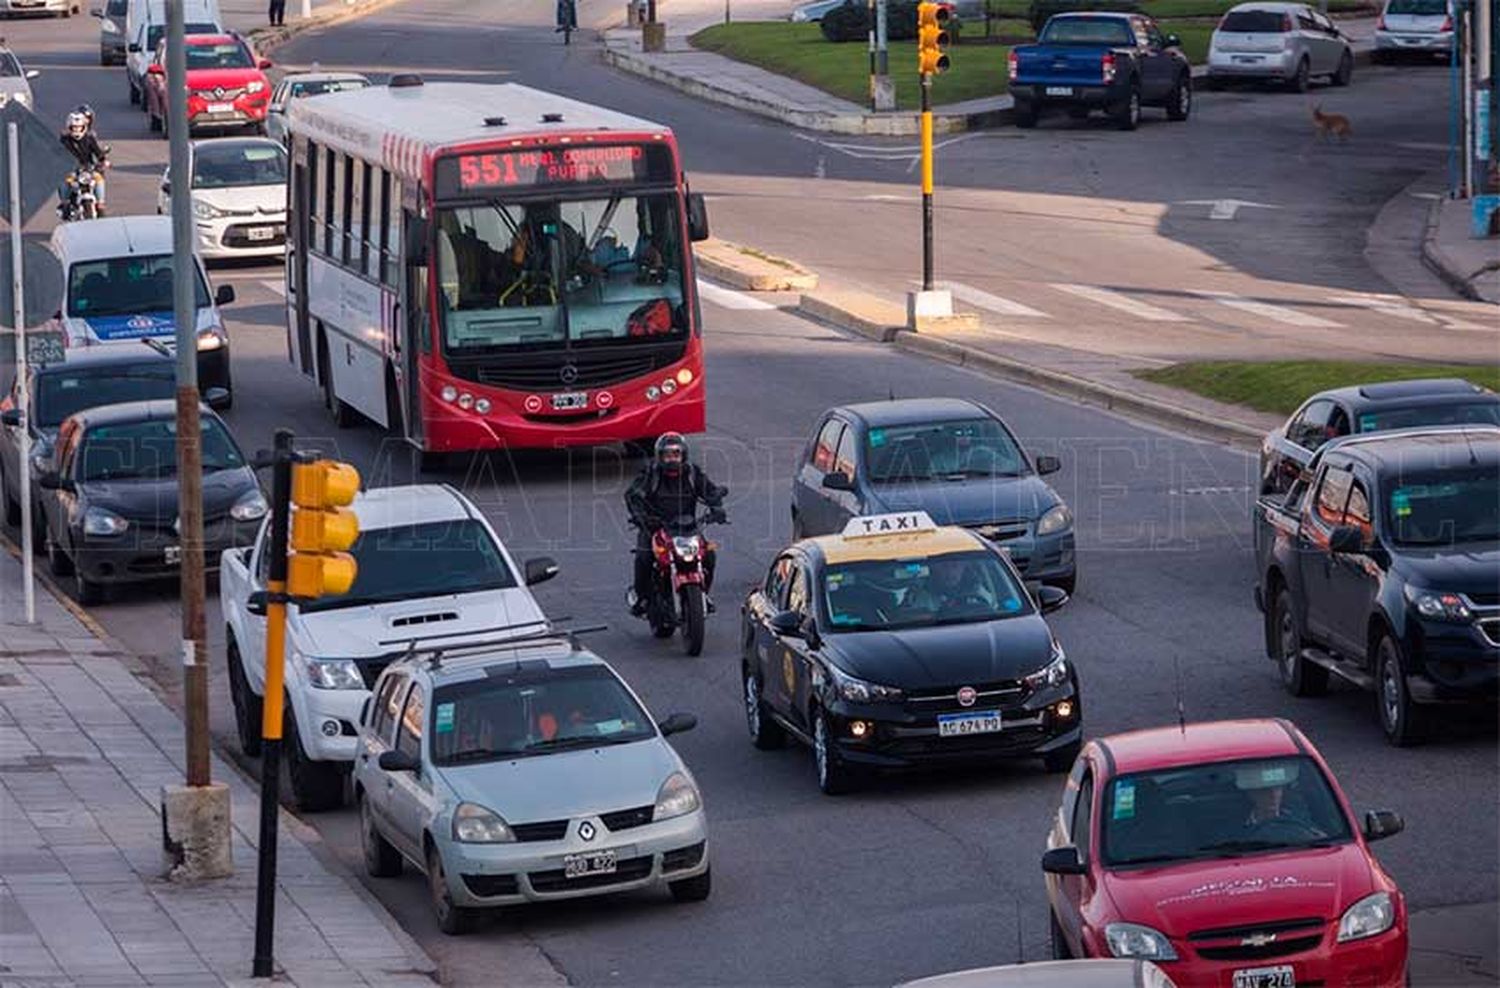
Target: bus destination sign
<point x="557" y="167"/>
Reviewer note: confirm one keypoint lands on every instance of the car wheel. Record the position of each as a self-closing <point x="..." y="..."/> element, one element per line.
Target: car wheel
<point x="1027" y="115"/>
<point x="1180" y="101"/>
<point x="1346" y="70"/>
<point x="693" y="889"/>
<point x="834" y="777"/>
<point x="1127" y="114"/>
<point x="381" y="859"/>
<point x="452" y="920"/>
<point x="247" y="706"/>
<point x="1299" y="676"/>
<point x="12" y="505"/>
<point x="58" y="561"/>
<point x="1063" y="758"/>
<point x="1400" y="717"/>
<point x="1059" y="943"/>
<point x="1298" y="82"/>
<point x="316" y="786"/>
<point x="765" y="733"/>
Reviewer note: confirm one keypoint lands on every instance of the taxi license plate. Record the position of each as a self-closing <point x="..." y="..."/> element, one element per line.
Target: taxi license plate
<point x="593" y="863"/>
<point x="172" y="555"/>
<point x="1247" y="59"/>
<point x="1059" y="90"/>
<point x="962" y="725"/>
<point x="1265" y="977"/>
<point x="572" y="399"/>
<point x="221" y="108"/>
<point x="261" y="233"/>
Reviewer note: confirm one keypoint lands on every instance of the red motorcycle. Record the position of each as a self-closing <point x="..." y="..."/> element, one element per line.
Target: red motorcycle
<point x="677" y="598"/>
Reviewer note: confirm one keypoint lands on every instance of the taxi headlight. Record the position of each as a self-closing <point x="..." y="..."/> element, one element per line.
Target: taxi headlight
<point x="854" y="690"/>
<point x="473" y="824"/>
<point x="97" y="521"/>
<point x="249" y="508"/>
<point x="1134" y="940"/>
<point x="677" y="797"/>
<point x="1053" y="674"/>
<point x="1372" y="915"/>
<point x="1057" y="519"/>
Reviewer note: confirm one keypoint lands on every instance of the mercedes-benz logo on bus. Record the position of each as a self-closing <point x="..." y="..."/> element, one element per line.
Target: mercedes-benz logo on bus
<point x="568" y="373"/>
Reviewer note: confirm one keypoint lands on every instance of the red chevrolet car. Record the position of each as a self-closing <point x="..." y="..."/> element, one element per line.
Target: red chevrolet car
<point x="1227" y="854"/>
<point x="227" y="84"/>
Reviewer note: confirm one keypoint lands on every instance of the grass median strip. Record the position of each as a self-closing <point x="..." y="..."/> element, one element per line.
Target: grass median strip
<point x="1280" y="386"/>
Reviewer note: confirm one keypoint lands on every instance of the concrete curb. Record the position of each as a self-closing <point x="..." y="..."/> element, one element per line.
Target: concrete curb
<point x="870" y="317"/>
<point x="1441" y="263"/>
<point x="268" y="39"/>
<point x="732" y="264"/>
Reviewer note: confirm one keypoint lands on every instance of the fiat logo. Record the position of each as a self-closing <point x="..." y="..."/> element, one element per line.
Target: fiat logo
<point x="568" y="373"/>
<point x="604" y="399"/>
<point x="967" y="696"/>
<point x="533" y="404"/>
<point x="586" y="830"/>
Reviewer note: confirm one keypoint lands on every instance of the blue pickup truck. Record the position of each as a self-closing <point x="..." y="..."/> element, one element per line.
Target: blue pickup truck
<point x="1101" y="61"/>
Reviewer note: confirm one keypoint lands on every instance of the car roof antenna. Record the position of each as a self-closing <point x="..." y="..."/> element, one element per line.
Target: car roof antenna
<point x="1177" y="677"/>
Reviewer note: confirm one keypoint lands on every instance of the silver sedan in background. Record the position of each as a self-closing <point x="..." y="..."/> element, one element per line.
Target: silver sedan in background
<point x="1281" y="42"/>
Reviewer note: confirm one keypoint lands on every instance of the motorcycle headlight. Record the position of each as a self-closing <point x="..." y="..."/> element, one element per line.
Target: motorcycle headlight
<point x="676" y="797"/>
<point x="250" y="507"/>
<point x="1057" y="519"/>
<point x="855" y="690"/>
<point x="1051" y="675"/>
<point x="473" y="824"/>
<point x="97" y="521"/>
<point x="206" y="211"/>
<point x="1369" y="916"/>
<point x="686" y="546"/>
<point x="1436" y="606"/>
<point x="255" y="87"/>
<point x="210" y="339"/>
<point x="1134" y="940"/>
<point x="332" y="674"/>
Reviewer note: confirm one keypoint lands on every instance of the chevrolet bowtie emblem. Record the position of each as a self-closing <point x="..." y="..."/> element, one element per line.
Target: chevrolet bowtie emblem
<point x="1258" y="940"/>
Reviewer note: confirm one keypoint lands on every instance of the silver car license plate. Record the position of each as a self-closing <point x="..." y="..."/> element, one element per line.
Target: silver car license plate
<point x="1265" y="977"/>
<point x="962" y="725"/>
<point x="571" y="399"/>
<point x="1059" y="90"/>
<point x="593" y="863"/>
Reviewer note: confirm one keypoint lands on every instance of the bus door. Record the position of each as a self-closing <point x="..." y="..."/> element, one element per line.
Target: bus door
<point x="413" y="329"/>
<point x="298" y="234"/>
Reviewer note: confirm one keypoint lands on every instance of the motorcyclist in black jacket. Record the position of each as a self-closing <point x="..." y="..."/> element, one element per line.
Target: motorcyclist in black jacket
<point x="83" y="144"/>
<point x="667" y="488"/>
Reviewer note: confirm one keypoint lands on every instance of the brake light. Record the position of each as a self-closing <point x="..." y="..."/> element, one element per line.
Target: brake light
<point x="1447" y="24"/>
<point x="1107" y="66"/>
<point x="1012" y="64"/>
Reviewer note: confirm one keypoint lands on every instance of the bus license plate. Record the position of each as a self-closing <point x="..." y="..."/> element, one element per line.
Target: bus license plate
<point x="1059" y="90"/>
<point x="572" y="399"/>
<point x="1265" y="977"/>
<point x="962" y="725"/>
<point x="593" y="863"/>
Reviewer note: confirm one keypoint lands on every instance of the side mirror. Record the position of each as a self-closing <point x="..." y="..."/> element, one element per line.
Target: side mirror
<point x="166" y="186"/>
<point x="1173" y="41"/>
<point x="416" y="241"/>
<point x="263" y="64"/>
<point x="223" y="295"/>
<point x="1050" y="599"/>
<point x="398" y="761"/>
<point x="540" y="570"/>
<point x="1047" y="464"/>
<point x="1063" y="861"/>
<point x="155" y="68"/>
<point x="676" y="724"/>
<point x="11" y="417"/>
<point x="788" y="624"/>
<point x="33" y="73"/>
<point x="215" y="397"/>
<point x="256" y="603"/>
<point x="52" y="481"/>
<point x="1346" y="539"/>
<point x="133" y="48"/>
<point x="697" y="217"/>
<point x="837" y="481"/>
<point x="1380" y="824"/>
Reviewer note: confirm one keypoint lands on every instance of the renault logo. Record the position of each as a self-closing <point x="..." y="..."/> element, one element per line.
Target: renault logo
<point x="586" y="830"/>
<point x="568" y="373"/>
<point x="219" y="91"/>
<point x="1258" y="940"/>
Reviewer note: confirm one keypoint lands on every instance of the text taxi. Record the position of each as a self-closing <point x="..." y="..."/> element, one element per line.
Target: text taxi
<point x="900" y="643"/>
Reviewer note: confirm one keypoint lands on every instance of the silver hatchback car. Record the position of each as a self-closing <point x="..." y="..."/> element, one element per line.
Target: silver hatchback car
<point x="524" y="770"/>
<point x="1283" y="42"/>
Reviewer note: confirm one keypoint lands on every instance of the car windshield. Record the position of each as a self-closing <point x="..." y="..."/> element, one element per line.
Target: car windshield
<point x="1445" y="509"/>
<point x="979" y="447"/>
<point x="226" y="164"/>
<point x="136" y="450"/>
<point x="221" y="55"/>
<point x="61" y="393"/>
<point x="1422" y="8"/>
<point x="1469" y="413"/>
<point x="591" y="272"/>
<point x="125" y="286"/>
<point x="911" y="593"/>
<point x="155" y="34"/>
<point x="1219" y="810"/>
<point x="518" y="710"/>
<point x="422" y="560"/>
<point x="1255" y="22"/>
<point x="321" y="86"/>
<point x="1087" y="31"/>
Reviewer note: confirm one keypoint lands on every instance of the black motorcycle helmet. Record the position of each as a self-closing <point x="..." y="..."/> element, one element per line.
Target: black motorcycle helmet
<point x="88" y="113"/>
<point x="671" y="453"/>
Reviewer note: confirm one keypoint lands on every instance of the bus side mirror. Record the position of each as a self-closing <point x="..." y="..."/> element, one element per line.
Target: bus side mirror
<point x="697" y="217"/>
<point x="416" y="241"/>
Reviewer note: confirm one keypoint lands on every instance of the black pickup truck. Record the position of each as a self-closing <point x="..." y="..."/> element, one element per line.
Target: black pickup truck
<point x="1381" y="565"/>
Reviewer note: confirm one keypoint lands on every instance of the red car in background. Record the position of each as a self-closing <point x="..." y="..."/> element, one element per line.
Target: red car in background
<point x="1227" y="854"/>
<point x="227" y="84"/>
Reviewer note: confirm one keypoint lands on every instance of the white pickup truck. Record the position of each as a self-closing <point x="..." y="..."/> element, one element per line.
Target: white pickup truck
<point x="431" y="571"/>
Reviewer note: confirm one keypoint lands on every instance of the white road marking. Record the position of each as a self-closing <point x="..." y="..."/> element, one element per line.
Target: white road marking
<point x="991" y="303"/>
<point x="1123" y="302"/>
<point x="1225" y="209"/>
<point x="1399" y="308"/>
<point x="729" y="299"/>
<point x="1267" y="310"/>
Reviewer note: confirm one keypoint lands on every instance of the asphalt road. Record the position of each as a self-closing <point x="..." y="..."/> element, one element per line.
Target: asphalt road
<point x="914" y="876"/>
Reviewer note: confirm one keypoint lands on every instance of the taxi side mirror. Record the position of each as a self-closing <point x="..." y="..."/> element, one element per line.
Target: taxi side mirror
<point x="837" y="481"/>
<point x="1346" y="539"/>
<point x="1047" y="464"/>
<point x="1049" y="599"/>
<point x="788" y="624"/>
<point x="1063" y="861"/>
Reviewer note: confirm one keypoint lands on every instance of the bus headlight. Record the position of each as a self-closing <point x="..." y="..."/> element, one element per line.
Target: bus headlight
<point x="449" y="393"/>
<point x="482" y="406"/>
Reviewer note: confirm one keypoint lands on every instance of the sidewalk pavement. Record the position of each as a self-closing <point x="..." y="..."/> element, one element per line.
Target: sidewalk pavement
<point x="720" y="79"/>
<point x="85" y="748"/>
<point x="1470" y="264"/>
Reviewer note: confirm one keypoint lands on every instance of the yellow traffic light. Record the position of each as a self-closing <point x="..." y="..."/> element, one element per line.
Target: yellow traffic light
<point x="932" y="40"/>
<point x="322" y="529"/>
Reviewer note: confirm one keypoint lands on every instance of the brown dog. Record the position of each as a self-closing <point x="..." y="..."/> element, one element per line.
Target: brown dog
<point x="1335" y="124"/>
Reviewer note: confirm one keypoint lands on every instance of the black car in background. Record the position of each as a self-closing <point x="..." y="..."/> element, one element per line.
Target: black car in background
<point x="1381" y="566"/>
<point x="1369" y="408"/>
<point x="110" y="496"/>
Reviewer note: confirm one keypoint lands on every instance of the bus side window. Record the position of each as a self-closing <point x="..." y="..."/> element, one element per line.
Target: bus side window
<point x="315" y="196"/>
<point x="344" y="206"/>
<point x="330" y="172"/>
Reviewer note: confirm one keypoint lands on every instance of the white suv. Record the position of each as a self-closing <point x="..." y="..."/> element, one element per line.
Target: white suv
<point x="431" y="572"/>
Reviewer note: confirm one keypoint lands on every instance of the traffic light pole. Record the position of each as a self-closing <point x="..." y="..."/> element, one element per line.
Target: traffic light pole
<point x="926" y="182"/>
<point x="271" y="713"/>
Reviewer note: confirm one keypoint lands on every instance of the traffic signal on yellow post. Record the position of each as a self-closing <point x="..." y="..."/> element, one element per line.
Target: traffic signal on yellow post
<point x="932" y="38"/>
<point x="322" y="530"/>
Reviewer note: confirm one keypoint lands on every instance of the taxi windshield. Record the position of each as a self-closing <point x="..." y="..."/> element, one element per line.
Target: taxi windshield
<point x="912" y="593"/>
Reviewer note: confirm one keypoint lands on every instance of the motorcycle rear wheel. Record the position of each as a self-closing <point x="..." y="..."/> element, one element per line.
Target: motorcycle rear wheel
<point x="694" y="616"/>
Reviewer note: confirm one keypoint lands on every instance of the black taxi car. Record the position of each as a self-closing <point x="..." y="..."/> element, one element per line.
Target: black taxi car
<point x="900" y="643"/>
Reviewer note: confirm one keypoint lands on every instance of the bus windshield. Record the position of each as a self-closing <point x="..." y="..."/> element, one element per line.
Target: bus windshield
<point x="541" y="275"/>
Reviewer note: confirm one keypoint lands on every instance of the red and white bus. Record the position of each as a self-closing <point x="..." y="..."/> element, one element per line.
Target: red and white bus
<point x="483" y="266"/>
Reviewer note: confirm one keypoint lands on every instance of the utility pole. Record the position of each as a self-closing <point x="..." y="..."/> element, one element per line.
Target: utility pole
<point x="1492" y="14"/>
<point x="882" y="87"/>
<point x="18" y="313"/>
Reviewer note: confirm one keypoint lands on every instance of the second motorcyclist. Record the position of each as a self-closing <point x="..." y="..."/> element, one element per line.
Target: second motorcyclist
<point x="669" y="487"/>
<point x="83" y="144"/>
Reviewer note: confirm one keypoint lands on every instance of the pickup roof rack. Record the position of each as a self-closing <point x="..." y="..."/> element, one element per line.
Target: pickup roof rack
<point x="436" y="653"/>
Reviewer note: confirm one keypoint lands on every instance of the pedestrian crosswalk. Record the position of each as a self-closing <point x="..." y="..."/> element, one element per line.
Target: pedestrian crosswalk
<point x="1124" y="303"/>
<point x="1275" y="312"/>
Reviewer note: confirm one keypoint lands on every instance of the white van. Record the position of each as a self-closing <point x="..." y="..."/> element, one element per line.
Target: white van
<point x="117" y="288"/>
<point x="146" y="25"/>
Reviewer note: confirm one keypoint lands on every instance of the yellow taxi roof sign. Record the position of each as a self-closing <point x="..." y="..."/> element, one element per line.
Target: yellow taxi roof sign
<point x="897" y="523"/>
